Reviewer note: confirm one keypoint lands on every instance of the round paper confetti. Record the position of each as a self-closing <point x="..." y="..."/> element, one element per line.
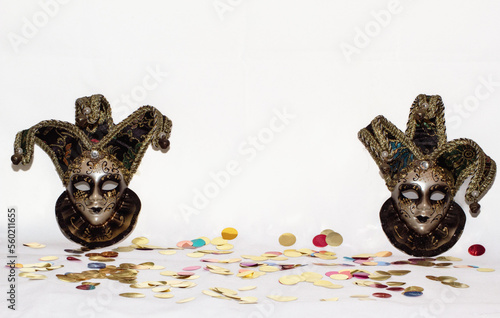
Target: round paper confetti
<point x="182" y="301"/>
<point x="282" y="298"/>
<point x="34" y="245"/>
<point x="229" y="233"/>
<point x="287" y="239"/>
<point x="476" y="250"/>
<point x="330" y="299"/>
<point x="164" y="295"/>
<point x="168" y="252"/>
<point x="395" y="289"/>
<point x="485" y="270"/>
<point x="85" y="287"/>
<point x="248" y="300"/>
<point x="133" y="295"/>
<point x="141" y="241"/>
<point x="320" y="240"/>
<point x="413" y="293"/>
<point x="198" y="243"/>
<point x="96" y="265"/>
<point x="334" y="239"/>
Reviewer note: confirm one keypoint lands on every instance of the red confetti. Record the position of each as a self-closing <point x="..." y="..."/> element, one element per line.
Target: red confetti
<point x="320" y="240"/>
<point x="476" y="250"/>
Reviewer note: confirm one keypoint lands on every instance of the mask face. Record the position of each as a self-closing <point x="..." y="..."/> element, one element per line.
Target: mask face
<point x="422" y="197"/>
<point x="95" y="188"/>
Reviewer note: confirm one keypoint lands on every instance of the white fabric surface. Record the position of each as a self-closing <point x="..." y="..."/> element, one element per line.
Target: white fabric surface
<point x="229" y="72"/>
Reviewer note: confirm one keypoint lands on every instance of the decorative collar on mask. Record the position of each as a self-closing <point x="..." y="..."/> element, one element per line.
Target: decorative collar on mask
<point x="95" y="139"/>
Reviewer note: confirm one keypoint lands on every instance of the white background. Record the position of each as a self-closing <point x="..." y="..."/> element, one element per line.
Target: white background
<point x="221" y="70"/>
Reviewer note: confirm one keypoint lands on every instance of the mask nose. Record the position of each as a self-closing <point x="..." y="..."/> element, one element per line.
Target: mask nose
<point x="424" y="208"/>
<point x="95" y="200"/>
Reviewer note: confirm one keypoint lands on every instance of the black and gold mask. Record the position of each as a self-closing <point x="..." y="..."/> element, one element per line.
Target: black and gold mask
<point x="96" y="160"/>
<point x="424" y="171"/>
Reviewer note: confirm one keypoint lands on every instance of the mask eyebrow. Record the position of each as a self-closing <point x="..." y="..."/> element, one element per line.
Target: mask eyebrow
<point x="79" y="178"/>
<point x="409" y="186"/>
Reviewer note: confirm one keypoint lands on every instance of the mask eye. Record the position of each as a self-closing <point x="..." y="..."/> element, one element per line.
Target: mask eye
<point x="437" y="196"/>
<point x="82" y="186"/>
<point x="410" y="194"/>
<point x="109" y="185"/>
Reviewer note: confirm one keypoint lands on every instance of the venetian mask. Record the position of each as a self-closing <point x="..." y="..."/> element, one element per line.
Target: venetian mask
<point x="96" y="160"/>
<point x="422" y="197"/>
<point x="424" y="171"/>
<point x="96" y="188"/>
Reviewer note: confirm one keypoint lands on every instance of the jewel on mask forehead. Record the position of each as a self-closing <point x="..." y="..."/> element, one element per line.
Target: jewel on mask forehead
<point x="424" y="165"/>
<point x="94" y="154"/>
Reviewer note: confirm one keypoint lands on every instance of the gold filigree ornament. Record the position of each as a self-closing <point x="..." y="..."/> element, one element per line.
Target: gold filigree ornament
<point x="96" y="160"/>
<point x="424" y="171"/>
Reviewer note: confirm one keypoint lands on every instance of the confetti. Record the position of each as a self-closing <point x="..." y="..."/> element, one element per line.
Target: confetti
<point x="287" y="239"/>
<point x="282" y="298"/>
<point x="229" y="233"/>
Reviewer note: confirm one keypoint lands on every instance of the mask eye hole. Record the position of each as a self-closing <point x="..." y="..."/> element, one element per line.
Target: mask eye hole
<point x="410" y="194"/>
<point x="437" y="196"/>
<point x="82" y="186"/>
<point x="109" y="185"/>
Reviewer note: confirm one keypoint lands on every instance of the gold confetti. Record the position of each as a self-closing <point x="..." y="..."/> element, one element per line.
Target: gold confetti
<point x="383" y="254"/>
<point x="186" y="300"/>
<point x="218" y="241"/>
<point x="161" y="289"/>
<point x="268" y="269"/>
<point x="164" y="296"/>
<point x="327" y="284"/>
<point x="287" y="239"/>
<point x="282" y="298"/>
<point x="133" y="295"/>
<point x="339" y="276"/>
<point x="334" y="239"/>
<point x="225" y="247"/>
<point x="330" y="299"/>
<point x="34" y="245"/>
<point x="140" y="241"/>
<point x="195" y="254"/>
<point x="485" y="270"/>
<point x="168" y="252"/>
<point x="229" y="233"/>
<point x="290" y="279"/>
<point x="248" y="300"/>
<point x="455" y="284"/>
